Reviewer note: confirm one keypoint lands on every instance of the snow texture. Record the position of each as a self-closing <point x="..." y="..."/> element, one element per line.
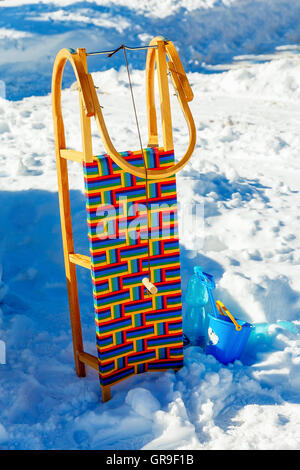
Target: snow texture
<point x="243" y="63"/>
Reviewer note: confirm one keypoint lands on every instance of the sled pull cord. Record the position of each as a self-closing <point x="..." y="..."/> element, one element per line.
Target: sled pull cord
<point x="147" y="282"/>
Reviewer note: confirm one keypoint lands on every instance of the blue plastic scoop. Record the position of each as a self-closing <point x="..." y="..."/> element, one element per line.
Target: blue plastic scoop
<point x="209" y="282"/>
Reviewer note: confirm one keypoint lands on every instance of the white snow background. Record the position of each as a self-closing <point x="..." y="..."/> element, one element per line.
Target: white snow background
<point x="243" y="63"/>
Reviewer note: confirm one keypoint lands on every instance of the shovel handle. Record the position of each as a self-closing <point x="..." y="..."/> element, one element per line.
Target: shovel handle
<point x="224" y="311"/>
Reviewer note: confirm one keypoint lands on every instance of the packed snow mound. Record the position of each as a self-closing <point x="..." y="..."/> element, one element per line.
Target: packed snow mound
<point x="258" y="80"/>
<point x="137" y="397"/>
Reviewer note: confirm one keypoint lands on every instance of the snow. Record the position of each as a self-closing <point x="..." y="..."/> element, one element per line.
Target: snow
<point x="244" y="175"/>
<point x="212" y="33"/>
<point x="136" y="399"/>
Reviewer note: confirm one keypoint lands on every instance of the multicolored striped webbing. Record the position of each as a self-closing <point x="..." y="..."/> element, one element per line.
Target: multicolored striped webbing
<point x="136" y="331"/>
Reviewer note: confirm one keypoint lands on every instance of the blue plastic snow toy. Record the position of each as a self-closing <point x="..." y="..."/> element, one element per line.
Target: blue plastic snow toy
<point x="226" y="337"/>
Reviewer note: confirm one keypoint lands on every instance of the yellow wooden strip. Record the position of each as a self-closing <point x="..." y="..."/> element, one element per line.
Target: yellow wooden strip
<point x="106" y="393"/>
<point x="176" y="62"/>
<point x="81" y="260"/>
<point x="64" y="204"/>
<point x="163" y="86"/>
<point x="74" y="155"/>
<point x="85" y="120"/>
<point x="150" y="91"/>
<point x="88" y="359"/>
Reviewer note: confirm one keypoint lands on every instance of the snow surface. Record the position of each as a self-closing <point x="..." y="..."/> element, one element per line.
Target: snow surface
<point x="245" y="172"/>
<point x="206" y="32"/>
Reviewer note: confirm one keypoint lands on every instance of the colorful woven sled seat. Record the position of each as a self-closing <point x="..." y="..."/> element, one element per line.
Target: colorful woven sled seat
<point x="136" y="331"/>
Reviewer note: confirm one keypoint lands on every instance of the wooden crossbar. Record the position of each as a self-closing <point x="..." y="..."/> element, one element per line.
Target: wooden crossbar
<point x="74" y="155"/>
<point x="89" y="359"/>
<point x="80" y="260"/>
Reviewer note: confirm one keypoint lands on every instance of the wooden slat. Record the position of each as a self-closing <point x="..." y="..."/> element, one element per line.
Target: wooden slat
<point x="93" y="362"/>
<point x="150" y="93"/>
<point x="68" y="244"/>
<point x="65" y="210"/>
<point x="81" y="260"/>
<point x="163" y="86"/>
<point x="74" y="155"/>
<point x="85" y="120"/>
<point x="89" y="359"/>
<point x="106" y="393"/>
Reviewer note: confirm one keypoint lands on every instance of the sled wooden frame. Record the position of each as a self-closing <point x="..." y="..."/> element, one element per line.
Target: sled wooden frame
<point x="90" y="107"/>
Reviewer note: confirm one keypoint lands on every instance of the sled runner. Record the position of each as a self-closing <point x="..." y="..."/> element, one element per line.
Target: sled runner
<point x="131" y="206"/>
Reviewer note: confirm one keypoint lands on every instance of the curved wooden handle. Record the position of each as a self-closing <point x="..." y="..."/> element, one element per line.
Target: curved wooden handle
<point x="81" y="76"/>
<point x="78" y="62"/>
<point x="92" y="107"/>
<point x="150" y="71"/>
<point x="184" y="95"/>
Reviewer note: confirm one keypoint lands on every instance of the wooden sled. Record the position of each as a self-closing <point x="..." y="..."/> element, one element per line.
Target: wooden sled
<point x="143" y="329"/>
